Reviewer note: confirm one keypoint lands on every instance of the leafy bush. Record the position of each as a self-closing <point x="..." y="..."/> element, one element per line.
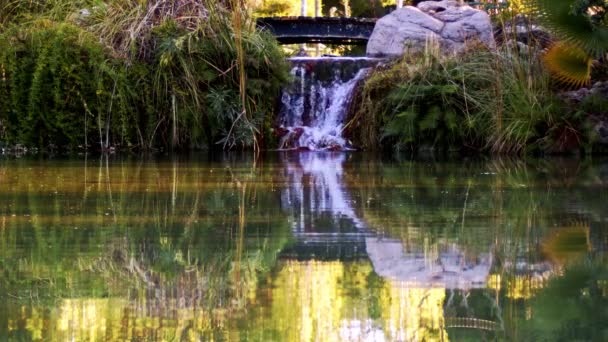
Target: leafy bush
<point x="56" y="84"/>
<point x="498" y="101"/>
<point x="154" y="74"/>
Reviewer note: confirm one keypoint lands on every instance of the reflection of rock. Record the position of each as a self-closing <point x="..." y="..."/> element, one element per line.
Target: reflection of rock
<point x="449" y="269"/>
<point x="450" y="23"/>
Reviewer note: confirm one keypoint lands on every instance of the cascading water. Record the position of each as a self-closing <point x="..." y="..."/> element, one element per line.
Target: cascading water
<point x="315" y="105"/>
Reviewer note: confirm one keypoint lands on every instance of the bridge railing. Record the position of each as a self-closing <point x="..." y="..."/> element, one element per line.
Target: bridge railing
<point x="296" y="30"/>
<point x="471" y="323"/>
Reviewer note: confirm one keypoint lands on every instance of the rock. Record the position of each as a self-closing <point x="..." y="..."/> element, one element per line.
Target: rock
<point x="600" y="89"/>
<point x="598" y="118"/>
<point x="575" y="96"/>
<point x="601" y="130"/>
<point x="448" y="22"/>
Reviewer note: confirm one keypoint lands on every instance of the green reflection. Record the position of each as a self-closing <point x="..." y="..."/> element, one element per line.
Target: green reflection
<point x="302" y="248"/>
<point x="132" y="249"/>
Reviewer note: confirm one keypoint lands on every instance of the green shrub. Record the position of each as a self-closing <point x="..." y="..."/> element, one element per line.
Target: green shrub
<point x="151" y="74"/>
<point x="198" y="71"/>
<point x="55" y="84"/>
<point x="497" y="101"/>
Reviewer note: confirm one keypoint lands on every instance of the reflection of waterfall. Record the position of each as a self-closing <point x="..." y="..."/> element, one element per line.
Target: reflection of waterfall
<point x="317" y="194"/>
<point x="322" y="214"/>
<point x="315" y="106"/>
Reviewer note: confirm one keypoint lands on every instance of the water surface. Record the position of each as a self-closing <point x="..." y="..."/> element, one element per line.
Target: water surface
<point x="303" y="247"/>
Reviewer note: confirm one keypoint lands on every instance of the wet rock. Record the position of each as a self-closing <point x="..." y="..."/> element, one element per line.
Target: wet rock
<point x="291" y="137"/>
<point x="280" y="132"/>
<point x="450" y="23"/>
<point x="577" y="96"/>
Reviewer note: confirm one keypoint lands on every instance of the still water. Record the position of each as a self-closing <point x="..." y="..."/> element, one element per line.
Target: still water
<point x="303" y="247"/>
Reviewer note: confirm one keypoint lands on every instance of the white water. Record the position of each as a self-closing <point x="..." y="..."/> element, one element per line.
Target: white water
<point x="314" y="110"/>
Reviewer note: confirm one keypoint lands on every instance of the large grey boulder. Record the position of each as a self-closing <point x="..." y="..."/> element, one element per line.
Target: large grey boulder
<point x="449" y="22"/>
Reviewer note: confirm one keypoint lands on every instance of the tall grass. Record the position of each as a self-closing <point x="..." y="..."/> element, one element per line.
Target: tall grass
<point x="196" y="73"/>
<point x="499" y="101"/>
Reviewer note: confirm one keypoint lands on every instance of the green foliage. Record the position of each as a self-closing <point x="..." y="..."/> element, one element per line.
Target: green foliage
<point x="498" y="101"/>
<point x="135" y="74"/>
<point x="55" y="83"/>
<point x="427" y="108"/>
<point x="580" y="22"/>
<point x="199" y="72"/>
<point x="572" y="306"/>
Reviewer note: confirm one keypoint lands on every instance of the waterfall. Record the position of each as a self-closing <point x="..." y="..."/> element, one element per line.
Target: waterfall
<point x="314" y="107"/>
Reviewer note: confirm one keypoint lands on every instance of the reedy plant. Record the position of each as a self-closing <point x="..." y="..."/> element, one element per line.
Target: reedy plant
<point x="56" y="81"/>
<point x="491" y="100"/>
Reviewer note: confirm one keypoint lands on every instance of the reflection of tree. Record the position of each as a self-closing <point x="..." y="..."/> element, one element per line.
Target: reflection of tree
<point x="573" y="306"/>
<point x="158" y="241"/>
<point x="344" y="301"/>
<point x="159" y="250"/>
<point x="516" y="207"/>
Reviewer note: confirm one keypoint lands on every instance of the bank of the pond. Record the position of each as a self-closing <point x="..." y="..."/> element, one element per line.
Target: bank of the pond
<point x="135" y="75"/>
<point x="164" y="75"/>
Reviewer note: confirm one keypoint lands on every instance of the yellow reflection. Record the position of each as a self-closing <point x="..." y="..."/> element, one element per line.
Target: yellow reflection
<point x="330" y="301"/>
<point x="413" y="314"/>
<point x="87" y="319"/>
<point x="307" y="301"/>
<point x="524" y="286"/>
<point x="118" y="320"/>
<point x="494" y="282"/>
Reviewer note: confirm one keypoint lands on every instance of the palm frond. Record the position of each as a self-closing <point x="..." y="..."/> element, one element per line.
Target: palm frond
<point x="569" y="64"/>
<point x="575" y="27"/>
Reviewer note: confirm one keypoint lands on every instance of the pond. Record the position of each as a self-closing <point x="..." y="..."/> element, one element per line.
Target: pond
<point x="303" y="247"/>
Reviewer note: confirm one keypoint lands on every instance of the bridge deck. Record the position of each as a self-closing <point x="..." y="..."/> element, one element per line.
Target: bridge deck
<point x="296" y="30"/>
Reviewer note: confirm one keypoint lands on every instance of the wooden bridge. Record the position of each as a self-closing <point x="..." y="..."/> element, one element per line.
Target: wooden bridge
<point x="339" y="30"/>
<point x="327" y="30"/>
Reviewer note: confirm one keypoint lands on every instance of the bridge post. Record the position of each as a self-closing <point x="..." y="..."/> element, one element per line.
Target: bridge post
<point x="399" y="3"/>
